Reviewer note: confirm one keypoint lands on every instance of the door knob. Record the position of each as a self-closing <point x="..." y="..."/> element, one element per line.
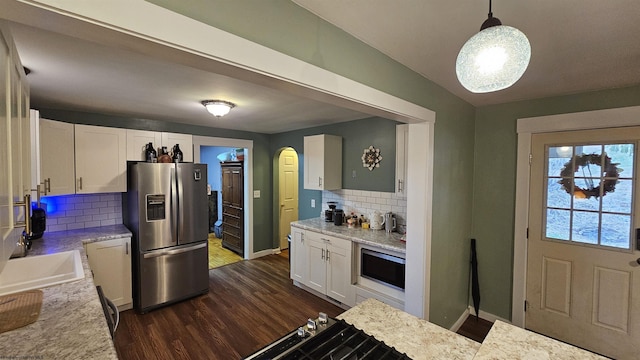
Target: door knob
<point x="638" y="260"/>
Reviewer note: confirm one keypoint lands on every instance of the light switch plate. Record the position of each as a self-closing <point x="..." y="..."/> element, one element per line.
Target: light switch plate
<point x="313" y="203"/>
<point x="256" y="194"/>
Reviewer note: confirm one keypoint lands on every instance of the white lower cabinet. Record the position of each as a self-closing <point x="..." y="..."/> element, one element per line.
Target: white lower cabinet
<point x="110" y="263"/>
<point x="329" y="266"/>
<point x="298" y="255"/>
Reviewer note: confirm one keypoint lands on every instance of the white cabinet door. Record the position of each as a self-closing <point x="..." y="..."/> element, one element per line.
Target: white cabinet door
<point x="339" y="272"/>
<point x="110" y="263"/>
<point x="185" y="141"/>
<point x="57" y="162"/>
<point x="322" y="162"/>
<point x="316" y="264"/>
<point x="298" y="255"/>
<point x="100" y="159"/>
<point x="402" y="147"/>
<point x="137" y="141"/>
<point x="328" y="266"/>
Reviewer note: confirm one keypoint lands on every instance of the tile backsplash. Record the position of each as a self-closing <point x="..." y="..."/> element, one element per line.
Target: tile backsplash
<point x="365" y="202"/>
<point x="80" y="211"/>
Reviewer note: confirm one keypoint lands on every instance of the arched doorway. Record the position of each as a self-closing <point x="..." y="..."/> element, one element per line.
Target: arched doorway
<point x="287" y="193"/>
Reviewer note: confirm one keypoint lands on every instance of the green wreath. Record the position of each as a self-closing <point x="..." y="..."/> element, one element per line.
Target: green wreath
<point x="611" y="174"/>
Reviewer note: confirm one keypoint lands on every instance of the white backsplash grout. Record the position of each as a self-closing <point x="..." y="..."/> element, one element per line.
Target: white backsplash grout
<point x="365" y="202"/>
<point x="68" y="212"/>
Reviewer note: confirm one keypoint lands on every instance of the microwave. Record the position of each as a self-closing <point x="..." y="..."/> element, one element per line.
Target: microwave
<point x="382" y="268"/>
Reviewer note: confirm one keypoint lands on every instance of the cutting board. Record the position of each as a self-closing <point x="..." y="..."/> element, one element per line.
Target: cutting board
<point x="19" y="309"/>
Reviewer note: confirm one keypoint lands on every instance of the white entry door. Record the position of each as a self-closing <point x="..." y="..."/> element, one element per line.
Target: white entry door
<point x="583" y="280"/>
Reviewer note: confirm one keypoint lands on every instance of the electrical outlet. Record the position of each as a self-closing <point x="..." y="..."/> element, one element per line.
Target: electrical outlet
<point x="256" y="194"/>
<point x="313" y="203"/>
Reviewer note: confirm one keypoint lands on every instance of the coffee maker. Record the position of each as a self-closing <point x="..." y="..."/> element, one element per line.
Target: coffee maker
<point x="328" y="214"/>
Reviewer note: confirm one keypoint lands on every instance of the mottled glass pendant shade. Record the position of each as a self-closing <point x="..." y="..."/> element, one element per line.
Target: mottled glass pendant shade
<point x="493" y="59"/>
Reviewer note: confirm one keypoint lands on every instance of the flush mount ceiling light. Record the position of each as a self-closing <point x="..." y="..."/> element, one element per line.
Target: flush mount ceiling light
<point x="218" y="108"/>
<point x="493" y="59"/>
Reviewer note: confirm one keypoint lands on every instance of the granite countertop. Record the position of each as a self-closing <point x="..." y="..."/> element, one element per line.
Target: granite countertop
<point x="416" y="337"/>
<point x="377" y="238"/>
<point x="506" y="341"/>
<point x="71" y="324"/>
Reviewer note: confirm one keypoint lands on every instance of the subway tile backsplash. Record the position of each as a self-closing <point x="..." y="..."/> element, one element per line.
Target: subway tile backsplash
<point x="365" y="202"/>
<point x="80" y="211"/>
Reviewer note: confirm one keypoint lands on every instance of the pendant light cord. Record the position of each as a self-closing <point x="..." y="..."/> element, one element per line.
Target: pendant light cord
<point x="490" y="12"/>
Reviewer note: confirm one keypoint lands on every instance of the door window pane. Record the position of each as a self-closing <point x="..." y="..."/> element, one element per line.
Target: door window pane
<point x="558" y="222"/>
<point x="589" y="193"/>
<point x="585" y="227"/>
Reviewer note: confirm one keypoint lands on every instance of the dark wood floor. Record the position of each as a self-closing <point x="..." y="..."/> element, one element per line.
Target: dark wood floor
<point x="475" y="329"/>
<point x="249" y="305"/>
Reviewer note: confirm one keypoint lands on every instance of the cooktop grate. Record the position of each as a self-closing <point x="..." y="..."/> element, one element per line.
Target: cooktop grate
<point x="339" y="341"/>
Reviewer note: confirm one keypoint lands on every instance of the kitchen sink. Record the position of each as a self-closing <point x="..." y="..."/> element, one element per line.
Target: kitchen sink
<point x="35" y="272"/>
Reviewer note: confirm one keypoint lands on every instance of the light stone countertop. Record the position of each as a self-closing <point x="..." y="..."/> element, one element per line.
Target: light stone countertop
<point x="377" y="238"/>
<point x="417" y="338"/>
<point x="71" y="324"/>
<point x="506" y="341"/>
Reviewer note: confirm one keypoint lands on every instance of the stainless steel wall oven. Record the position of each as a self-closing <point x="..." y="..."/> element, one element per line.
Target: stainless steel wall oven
<point x="382" y="268"/>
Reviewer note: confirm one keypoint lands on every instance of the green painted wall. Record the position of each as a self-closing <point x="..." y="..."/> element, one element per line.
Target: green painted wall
<point x="494" y="182"/>
<point x="356" y="135"/>
<point x="290" y="29"/>
<point x="262" y="218"/>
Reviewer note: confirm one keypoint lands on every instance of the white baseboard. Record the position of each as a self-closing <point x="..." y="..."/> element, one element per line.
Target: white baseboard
<point x="470" y="311"/>
<point x="266" y="252"/>
<point x="460" y="321"/>
<point x="487" y="316"/>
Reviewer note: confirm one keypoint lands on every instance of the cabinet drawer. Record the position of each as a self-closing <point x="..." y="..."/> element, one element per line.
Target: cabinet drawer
<point x="232" y="220"/>
<point x="230" y="210"/>
<point x="231" y="240"/>
<point x="231" y="230"/>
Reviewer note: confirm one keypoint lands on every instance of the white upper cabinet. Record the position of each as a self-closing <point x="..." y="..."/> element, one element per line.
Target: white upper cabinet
<point x="322" y="162"/>
<point x="185" y="142"/>
<point x="15" y="156"/>
<point x="402" y="147"/>
<point x="57" y="161"/>
<point x="137" y="141"/>
<point x="101" y="161"/>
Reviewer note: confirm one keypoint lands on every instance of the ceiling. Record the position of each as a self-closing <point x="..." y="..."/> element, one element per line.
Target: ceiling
<point x="577" y="46"/>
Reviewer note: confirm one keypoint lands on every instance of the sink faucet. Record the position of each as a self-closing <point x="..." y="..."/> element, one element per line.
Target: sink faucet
<point x="24" y="243"/>
<point x="22" y="246"/>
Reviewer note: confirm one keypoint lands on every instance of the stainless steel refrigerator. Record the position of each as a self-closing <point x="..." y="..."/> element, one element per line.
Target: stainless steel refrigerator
<point x="166" y="209"/>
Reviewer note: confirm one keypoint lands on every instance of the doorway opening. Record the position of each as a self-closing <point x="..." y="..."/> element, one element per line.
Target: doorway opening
<point x="286" y="180"/>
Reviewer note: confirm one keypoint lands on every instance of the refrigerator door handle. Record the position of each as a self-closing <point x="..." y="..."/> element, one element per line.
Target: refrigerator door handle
<point x="181" y="198"/>
<point x="186" y="249"/>
<point x="174" y="203"/>
<point x="158" y="253"/>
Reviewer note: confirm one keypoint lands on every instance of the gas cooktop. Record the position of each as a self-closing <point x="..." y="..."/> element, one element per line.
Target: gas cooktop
<point x="327" y="338"/>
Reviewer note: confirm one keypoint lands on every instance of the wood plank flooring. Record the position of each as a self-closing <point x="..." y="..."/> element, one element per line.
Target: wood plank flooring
<point x="249" y="305"/>
<point x="475" y="329"/>
<point x="219" y="256"/>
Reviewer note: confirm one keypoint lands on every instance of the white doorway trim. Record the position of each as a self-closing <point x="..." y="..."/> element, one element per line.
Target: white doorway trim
<point x="598" y="119"/>
<point x="199" y="141"/>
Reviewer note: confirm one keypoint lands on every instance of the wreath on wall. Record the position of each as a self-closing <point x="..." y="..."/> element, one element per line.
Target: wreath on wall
<point x="371" y="158"/>
<point x="611" y="174"/>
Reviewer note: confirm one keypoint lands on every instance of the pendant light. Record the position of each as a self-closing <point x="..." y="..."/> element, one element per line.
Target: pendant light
<point x="218" y="108"/>
<point x="493" y="59"/>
